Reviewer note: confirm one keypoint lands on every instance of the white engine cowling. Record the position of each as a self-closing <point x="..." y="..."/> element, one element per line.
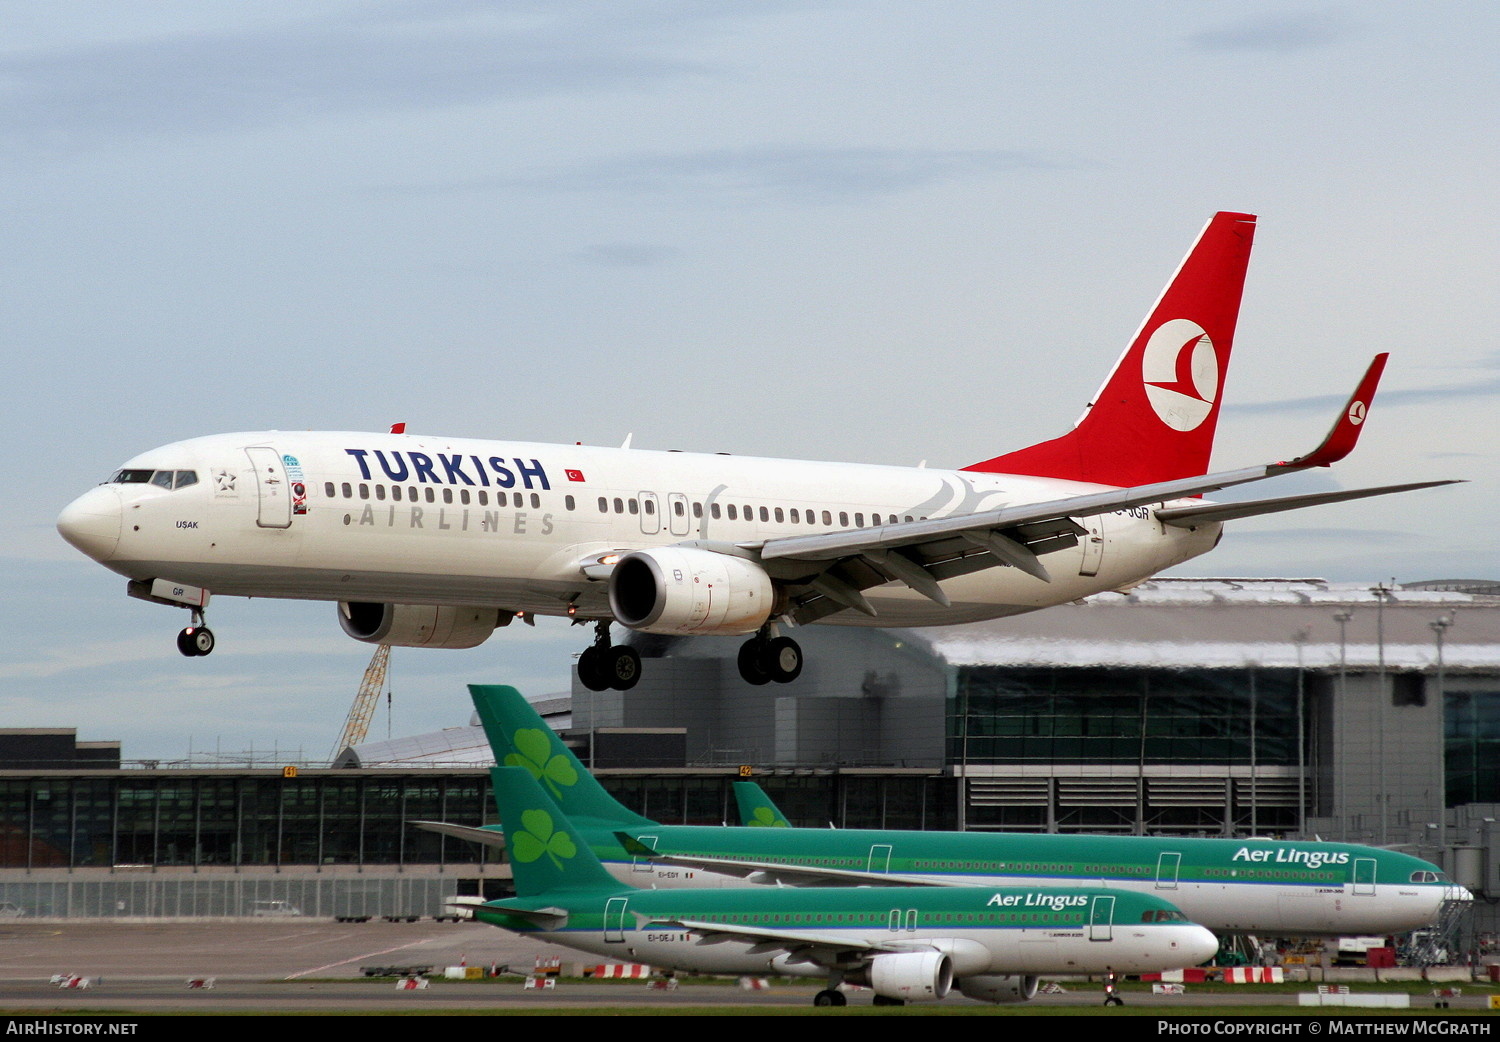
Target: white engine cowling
<point x="418" y="625"/>
<point x="913" y="976"/>
<point x="686" y="591"/>
<point x="999" y="989"/>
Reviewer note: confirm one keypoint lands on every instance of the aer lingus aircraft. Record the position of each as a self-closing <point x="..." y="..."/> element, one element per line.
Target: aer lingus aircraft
<point x="911" y="945"/>
<point x="1273" y="887"/>
<point x="427" y="541"/>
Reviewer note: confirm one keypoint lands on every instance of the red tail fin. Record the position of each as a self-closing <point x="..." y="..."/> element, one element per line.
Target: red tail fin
<point x="1154" y="418"/>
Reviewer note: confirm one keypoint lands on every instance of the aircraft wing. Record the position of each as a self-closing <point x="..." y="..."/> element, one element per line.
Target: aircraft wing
<point x="485" y="837"/>
<point x="809" y="946"/>
<point x="832" y="568"/>
<point x="771" y="872"/>
<point x="1187" y="517"/>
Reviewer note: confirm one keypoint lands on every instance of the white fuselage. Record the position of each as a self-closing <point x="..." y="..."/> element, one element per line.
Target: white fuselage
<point x="420" y="520"/>
<point x="983" y="931"/>
<point x="1281" y="908"/>
<point x="1013" y="950"/>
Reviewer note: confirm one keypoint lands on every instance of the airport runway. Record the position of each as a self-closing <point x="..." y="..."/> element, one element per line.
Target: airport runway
<point x="309" y="966"/>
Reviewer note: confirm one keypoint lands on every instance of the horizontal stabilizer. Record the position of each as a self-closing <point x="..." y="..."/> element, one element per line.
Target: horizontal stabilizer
<point x="1189" y="517"/>
<point x="485" y="837"/>
<point x="544" y="918"/>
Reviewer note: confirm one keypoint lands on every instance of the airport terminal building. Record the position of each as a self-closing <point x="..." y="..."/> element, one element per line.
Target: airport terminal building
<point x="1206" y="707"/>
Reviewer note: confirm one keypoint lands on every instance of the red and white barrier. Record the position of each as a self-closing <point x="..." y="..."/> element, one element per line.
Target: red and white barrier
<point x="618" y="971"/>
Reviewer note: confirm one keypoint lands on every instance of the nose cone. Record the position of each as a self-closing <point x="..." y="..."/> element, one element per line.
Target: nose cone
<point x="1196" y="944"/>
<point x="92" y="522"/>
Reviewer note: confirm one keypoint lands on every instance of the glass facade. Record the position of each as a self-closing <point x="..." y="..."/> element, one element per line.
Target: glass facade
<point x="1471" y="739"/>
<point x="1003" y="715"/>
<point x="228" y="819"/>
<point x="218" y="818"/>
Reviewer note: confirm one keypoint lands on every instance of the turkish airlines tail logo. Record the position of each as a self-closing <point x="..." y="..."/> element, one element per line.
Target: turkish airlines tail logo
<point x="1180" y="370"/>
<point x="1153" y="418"/>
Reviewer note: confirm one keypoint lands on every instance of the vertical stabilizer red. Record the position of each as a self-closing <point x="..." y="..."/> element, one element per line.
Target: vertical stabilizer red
<point x="1154" y="418"/>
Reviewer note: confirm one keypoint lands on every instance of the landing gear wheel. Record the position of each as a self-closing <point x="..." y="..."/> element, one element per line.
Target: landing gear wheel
<point x="1114" y="1000"/>
<point x="195" y="641"/>
<point x="752" y="666"/>
<point x="622" y="667"/>
<point x="781" y="658"/>
<point x="829" y="997"/>
<point x="882" y="1000"/>
<point x="591" y="668"/>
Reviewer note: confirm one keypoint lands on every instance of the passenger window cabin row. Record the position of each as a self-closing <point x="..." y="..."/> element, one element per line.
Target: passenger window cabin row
<point x="616" y="504"/>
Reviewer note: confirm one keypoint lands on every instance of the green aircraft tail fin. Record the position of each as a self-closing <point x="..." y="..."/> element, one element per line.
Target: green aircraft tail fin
<point x="756" y="808"/>
<point x="547" y="853"/>
<point x="520" y="738"/>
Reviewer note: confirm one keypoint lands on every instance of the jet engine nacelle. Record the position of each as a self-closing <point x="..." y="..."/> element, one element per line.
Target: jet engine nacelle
<point x="686" y="591"/>
<point x="913" y="976"/>
<point x="418" y="625"/>
<point x="999" y="989"/>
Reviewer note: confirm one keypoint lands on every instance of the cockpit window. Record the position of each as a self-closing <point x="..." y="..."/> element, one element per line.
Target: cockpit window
<point x="1428" y="877"/>
<point x="167" y="479"/>
<point x="131" y="477"/>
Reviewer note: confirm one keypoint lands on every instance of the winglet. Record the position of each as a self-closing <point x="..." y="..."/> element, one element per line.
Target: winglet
<point x="1345" y="431"/>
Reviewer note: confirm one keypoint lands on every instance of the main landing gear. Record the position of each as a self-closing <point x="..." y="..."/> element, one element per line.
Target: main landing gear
<point x="765" y="657"/>
<point x="602" y="666"/>
<point x="831" y="996"/>
<point x="197" y="639"/>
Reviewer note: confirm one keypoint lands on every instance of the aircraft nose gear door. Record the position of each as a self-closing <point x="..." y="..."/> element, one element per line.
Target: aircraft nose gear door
<point x="271" y="487"/>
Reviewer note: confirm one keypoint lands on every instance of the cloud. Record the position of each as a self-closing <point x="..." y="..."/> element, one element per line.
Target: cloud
<point x="194" y="83"/>
<point x="799" y="173"/>
<point x="1291" y="32"/>
<point x="628" y="254"/>
<point x="1488" y="388"/>
<point x="112" y="655"/>
<point x="1359" y="537"/>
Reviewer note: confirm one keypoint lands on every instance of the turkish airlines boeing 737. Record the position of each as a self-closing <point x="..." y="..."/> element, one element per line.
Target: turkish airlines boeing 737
<point x="435" y="542"/>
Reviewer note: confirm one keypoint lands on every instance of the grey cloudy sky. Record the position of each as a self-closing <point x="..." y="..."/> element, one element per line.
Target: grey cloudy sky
<point x="882" y="232"/>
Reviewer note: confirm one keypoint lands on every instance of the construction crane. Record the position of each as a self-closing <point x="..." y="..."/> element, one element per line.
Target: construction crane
<point x="358" y="723"/>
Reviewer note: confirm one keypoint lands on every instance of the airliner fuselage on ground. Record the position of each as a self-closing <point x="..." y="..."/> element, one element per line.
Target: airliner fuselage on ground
<point x="907" y="945"/>
<point x="1273" y="887"/>
<point x="436" y="542"/>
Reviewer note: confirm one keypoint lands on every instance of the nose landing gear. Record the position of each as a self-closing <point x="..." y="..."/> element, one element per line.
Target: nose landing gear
<point x="197" y="639"/>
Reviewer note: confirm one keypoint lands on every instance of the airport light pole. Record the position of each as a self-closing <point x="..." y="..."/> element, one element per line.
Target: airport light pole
<point x="1439" y="627"/>
<point x="1342" y="618"/>
<point x="1300" y="639"/>
<point x="1382" y="594"/>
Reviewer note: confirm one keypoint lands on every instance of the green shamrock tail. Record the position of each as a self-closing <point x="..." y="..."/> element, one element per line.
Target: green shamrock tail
<point x="756" y="808"/>
<point x="520" y="738"/>
<point x="547" y="853"/>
